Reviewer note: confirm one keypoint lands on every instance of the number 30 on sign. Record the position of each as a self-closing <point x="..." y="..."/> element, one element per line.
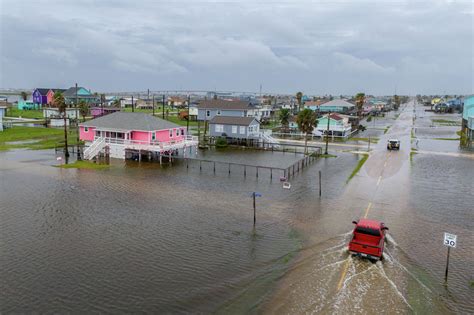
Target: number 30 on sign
<point x="450" y="239"/>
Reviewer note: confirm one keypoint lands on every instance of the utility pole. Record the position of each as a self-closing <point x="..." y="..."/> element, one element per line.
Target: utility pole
<point x="77" y="123"/>
<point x="163" y="106"/>
<point x="133" y="106"/>
<point x="327" y="134"/>
<point x="153" y="105"/>
<point x="187" y="122"/>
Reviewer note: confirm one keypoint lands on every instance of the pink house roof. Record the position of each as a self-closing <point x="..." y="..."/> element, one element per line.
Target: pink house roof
<point x="130" y="121"/>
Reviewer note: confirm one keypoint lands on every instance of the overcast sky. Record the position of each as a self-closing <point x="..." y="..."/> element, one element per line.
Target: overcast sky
<point x="318" y="47"/>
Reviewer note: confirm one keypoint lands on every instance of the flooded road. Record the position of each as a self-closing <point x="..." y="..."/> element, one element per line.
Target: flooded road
<point x="419" y="198"/>
<point x="140" y="238"/>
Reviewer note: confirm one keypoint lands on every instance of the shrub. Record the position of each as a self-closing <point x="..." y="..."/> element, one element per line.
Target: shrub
<point x="221" y="142"/>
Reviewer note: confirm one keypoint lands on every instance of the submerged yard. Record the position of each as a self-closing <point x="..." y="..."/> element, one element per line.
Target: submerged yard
<point x="35" y="138"/>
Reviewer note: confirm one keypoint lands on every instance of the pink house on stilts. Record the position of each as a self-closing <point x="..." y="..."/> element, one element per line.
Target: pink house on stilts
<point x="128" y="135"/>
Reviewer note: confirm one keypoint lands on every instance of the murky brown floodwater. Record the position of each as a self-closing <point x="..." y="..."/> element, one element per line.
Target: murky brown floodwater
<point x="144" y="239"/>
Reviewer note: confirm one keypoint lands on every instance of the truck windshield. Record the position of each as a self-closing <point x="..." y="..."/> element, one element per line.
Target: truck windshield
<point x="369" y="231"/>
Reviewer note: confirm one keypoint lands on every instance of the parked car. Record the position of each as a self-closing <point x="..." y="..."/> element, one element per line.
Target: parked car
<point x="368" y="239"/>
<point x="393" y="144"/>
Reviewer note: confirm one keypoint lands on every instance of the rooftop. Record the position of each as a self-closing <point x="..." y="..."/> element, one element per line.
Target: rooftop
<point x="230" y="120"/>
<point x="338" y="102"/>
<point x="223" y="104"/>
<point x="130" y="121"/>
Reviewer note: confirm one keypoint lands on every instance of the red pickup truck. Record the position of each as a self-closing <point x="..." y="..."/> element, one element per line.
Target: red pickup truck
<point x="368" y="239"/>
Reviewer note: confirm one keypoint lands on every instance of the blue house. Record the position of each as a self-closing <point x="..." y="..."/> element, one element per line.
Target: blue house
<point x="234" y="127"/>
<point x="208" y="109"/>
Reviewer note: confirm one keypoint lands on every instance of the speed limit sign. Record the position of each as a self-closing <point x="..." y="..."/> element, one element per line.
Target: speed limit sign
<point x="450" y="239"/>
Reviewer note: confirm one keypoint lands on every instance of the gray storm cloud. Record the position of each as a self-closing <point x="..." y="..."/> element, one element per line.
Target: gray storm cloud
<point x="320" y="47"/>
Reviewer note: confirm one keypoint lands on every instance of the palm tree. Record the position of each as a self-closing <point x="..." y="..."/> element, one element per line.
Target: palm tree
<point x="60" y="103"/>
<point x="83" y="109"/>
<point x="396" y="100"/>
<point x="24" y="96"/>
<point x="299" y="98"/>
<point x="360" y="100"/>
<point x="306" y="121"/>
<point x="284" y="116"/>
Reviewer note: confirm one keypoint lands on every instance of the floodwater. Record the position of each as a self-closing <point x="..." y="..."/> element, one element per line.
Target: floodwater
<point x="140" y="238"/>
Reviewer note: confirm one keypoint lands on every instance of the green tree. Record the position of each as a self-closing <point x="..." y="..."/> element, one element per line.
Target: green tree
<point x="24" y="95"/>
<point x="60" y="103"/>
<point x="306" y="121"/>
<point x="299" y="98"/>
<point x="284" y="116"/>
<point x="360" y="100"/>
<point x="83" y="109"/>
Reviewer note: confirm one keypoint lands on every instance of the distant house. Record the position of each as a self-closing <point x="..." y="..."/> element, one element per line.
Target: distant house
<point x="208" y="109"/>
<point x="50" y="95"/>
<point x="177" y="101"/>
<point x="139" y="132"/>
<point x="101" y="111"/>
<point x="336" y="106"/>
<point x="52" y="112"/>
<point x="314" y="105"/>
<point x="468" y="117"/>
<point x="82" y="95"/>
<point x="234" y="127"/>
<point x="40" y="97"/>
<point x="339" y="125"/>
<point x="26" y="105"/>
<point x="3" y="111"/>
<point x="292" y="124"/>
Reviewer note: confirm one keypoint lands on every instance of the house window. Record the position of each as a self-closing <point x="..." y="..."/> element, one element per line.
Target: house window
<point x="208" y="113"/>
<point x="86" y="129"/>
<point x="250" y="129"/>
<point x="177" y="132"/>
<point x="234" y="129"/>
<point x="218" y="112"/>
<point x="182" y="132"/>
<point x="219" y="128"/>
<point x="242" y="130"/>
<point x="153" y="136"/>
<point x="97" y="133"/>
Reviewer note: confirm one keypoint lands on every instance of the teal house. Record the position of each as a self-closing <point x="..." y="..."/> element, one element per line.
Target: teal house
<point x="338" y="125"/>
<point x="468" y="117"/>
<point x="83" y="94"/>
<point x="27" y="105"/>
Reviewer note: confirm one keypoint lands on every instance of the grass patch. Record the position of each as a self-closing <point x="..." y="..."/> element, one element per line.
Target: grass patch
<point x="176" y="120"/>
<point x="85" y="165"/>
<point x="358" y="166"/>
<point x="386" y="130"/>
<point x="372" y="139"/>
<point x="412" y="133"/>
<point x="34" y="138"/>
<point x="412" y="153"/>
<point x="32" y="113"/>
<point x="446" y="122"/>
<point x="455" y="139"/>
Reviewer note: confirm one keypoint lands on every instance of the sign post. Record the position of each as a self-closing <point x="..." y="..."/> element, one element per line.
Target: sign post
<point x="255" y="194"/>
<point x="450" y="240"/>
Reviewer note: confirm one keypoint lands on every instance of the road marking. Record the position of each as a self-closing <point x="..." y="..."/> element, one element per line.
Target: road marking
<point x="343" y="275"/>
<point x="367" y="210"/>
<point x="378" y="181"/>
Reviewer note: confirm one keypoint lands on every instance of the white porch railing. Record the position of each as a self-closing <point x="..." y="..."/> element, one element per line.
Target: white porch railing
<point x="96" y="146"/>
<point x="153" y="145"/>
